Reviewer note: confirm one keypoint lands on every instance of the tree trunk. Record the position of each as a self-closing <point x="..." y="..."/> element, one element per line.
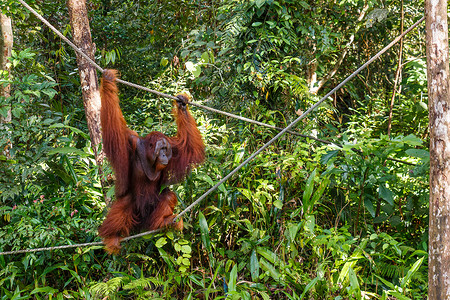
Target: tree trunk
<point x="6" y="45"/>
<point x="6" y="41"/>
<point x="439" y="111"/>
<point x="88" y="76"/>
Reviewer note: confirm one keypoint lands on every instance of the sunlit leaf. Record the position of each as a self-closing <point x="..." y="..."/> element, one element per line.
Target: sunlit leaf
<point x="161" y="242"/>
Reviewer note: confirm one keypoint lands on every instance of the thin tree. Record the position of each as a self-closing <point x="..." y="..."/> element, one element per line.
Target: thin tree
<point x="439" y="112"/>
<point x="81" y="33"/>
<point x="6" y="41"/>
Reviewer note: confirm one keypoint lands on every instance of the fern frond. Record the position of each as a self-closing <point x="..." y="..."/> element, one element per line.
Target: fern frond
<point x="108" y="288"/>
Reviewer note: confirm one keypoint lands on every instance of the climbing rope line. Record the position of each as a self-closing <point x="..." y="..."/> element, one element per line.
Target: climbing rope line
<point x="51" y="248"/>
<point x="251" y="157"/>
<point x="85" y="56"/>
<point x="300" y="118"/>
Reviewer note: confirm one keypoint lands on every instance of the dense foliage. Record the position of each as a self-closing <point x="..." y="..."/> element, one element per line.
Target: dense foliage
<point x="345" y="219"/>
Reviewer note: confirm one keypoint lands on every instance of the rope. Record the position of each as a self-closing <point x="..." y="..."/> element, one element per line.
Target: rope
<point x="79" y="51"/>
<point x="376" y="56"/>
<point x="51" y="248"/>
<point x="217" y="111"/>
<point x="77" y="245"/>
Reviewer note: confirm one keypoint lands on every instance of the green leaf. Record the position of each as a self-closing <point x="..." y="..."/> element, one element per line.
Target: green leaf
<point x="204" y="232"/>
<point x="254" y="266"/>
<point x="310" y="285"/>
<point x="310" y="223"/>
<point x="320" y="190"/>
<point x="197" y="281"/>
<point x="395" y="220"/>
<point x="246" y="193"/>
<point x="344" y="272"/>
<point x="164" y="61"/>
<point x="260" y="3"/>
<point x="264" y="295"/>
<point x="113" y="56"/>
<point x="423" y="105"/>
<point x="272" y="24"/>
<point x="412" y="140"/>
<point x="304" y="4"/>
<point x="386" y="194"/>
<point x="329" y="155"/>
<point x="308" y="191"/>
<point x="418" y="153"/>
<point x="161" y="242"/>
<point x="17" y="112"/>
<point x="354" y="284"/>
<point x="68" y="150"/>
<point x="351" y="262"/>
<point x="293" y="229"/>
<point x="193" y="69"/>
<point x="278" y="204"/>
<point x="271" y="269"/>
<point x="387" y="283"/>
<point x="222" y="188"/>
<point x="399" y="296"/>
<point x="72" y="172"/>
<point x="232" y="281"/>
<point x="49" y="92"/>
<point x="205" y="57"/>
<point x="185" y="53"/>
<point x="309" y="186"/>
<point x="380" y="219"/>
<point x="369" y="206"/>
<point x="411" y="272"/>
<point x="186" y="249"/>
<point x="207" y="178"/>
<point x="239" y="154"/>
<point x="267" y="254"/>
<point x="4" y="111"/>
<point x="47" y="290"/>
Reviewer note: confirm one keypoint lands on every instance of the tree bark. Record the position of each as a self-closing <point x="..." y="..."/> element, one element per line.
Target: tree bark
<point x="6" y="46"/>
<point x="439" y="113"/>
<point x="6" y="41"/>
<point x="81" y="33"/>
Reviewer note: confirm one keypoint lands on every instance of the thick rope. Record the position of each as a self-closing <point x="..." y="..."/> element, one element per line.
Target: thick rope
<point x="216" y="110"/>
<point x="51" y="248"/>
<point x="376" y="56"/>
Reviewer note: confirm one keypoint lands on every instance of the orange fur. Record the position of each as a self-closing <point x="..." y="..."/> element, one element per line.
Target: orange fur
<point x="163" y="213"/>
<point x="139" y="203"/>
